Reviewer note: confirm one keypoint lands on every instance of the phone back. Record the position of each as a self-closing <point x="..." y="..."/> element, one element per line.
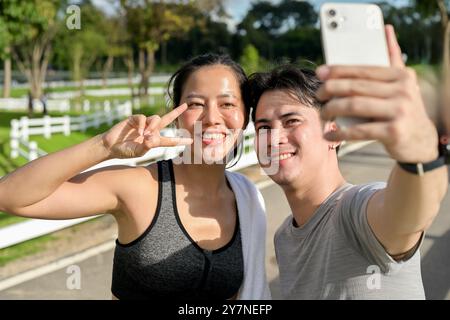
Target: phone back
<point x="353" y="34"/>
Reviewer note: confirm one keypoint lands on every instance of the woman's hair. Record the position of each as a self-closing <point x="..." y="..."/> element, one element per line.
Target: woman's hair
<point x="178" y="80"/>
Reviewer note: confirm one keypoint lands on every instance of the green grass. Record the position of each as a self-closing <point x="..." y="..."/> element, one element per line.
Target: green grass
<point x="24" y="249"/>
<point x="7" y="219"/>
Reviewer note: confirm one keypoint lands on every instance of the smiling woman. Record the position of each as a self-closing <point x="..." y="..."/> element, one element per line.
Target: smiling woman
<point x="186" y="231"/>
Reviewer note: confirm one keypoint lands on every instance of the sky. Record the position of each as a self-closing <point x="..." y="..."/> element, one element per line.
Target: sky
<point x="238" y="8"/>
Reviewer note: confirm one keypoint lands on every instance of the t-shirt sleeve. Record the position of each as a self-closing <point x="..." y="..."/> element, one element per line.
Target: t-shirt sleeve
<point x="353" y="221"/>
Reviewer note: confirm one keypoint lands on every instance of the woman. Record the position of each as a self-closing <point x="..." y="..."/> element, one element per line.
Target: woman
<point x="187" y="231"/>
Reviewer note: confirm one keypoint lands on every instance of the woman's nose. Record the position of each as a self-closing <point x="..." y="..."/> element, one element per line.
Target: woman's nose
<point x="211" y="114"/>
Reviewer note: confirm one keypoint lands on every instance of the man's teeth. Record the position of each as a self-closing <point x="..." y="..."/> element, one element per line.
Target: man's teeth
<point x="213" y="136"/>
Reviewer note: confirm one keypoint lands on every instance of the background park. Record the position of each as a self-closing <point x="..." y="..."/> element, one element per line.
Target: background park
<point x="71" y="69"/>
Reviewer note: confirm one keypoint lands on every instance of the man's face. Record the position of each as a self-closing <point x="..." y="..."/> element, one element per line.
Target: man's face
<point x="294" y="138"/>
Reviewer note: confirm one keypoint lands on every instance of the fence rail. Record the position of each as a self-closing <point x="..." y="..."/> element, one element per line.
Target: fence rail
<point x="22" y="129"/>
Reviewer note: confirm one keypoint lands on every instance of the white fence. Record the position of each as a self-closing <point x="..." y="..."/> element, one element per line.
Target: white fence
<point x="103" y="93"/>
<point x="13" y="104"/>
<point x="22" y="129"/>
<point x="34" y="228"/>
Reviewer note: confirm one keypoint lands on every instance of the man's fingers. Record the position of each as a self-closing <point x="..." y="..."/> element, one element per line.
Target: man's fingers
<point x="366" y="131"/>
<point x="358" y="72"/>
<point x="172" y="115"/>
<point x="395" y="52"/>
<point x="353" y="87"/>
<point x="365" y="107"/>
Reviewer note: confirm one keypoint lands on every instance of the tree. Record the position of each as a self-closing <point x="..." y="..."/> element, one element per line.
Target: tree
<point x="152" y="23"/>
<point x="31" y="47"/>
<point x="79" y="49"/>
<point x="250" y="59"/>
<point x="439" y="8"/>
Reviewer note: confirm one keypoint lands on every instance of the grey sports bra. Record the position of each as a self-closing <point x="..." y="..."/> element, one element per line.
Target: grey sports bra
<point x="165" y="262"/>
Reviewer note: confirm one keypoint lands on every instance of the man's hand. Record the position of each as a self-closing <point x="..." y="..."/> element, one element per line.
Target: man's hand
<point x="389" y="97"/>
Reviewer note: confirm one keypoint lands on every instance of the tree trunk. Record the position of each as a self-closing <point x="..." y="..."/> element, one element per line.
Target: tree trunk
<point x="129" y="62"/>
<point x="146" y="65"/>
<point x="106" y="70"/>
<point x="7" y="74"/>
<point x="446" y="51"/>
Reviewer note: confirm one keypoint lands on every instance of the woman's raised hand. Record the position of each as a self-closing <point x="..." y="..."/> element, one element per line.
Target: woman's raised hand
<point x="137" y="134"/>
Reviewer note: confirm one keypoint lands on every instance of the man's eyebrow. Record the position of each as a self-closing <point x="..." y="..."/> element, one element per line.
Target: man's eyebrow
<point x="262" y="120"/>
<point x="287" y="115"/>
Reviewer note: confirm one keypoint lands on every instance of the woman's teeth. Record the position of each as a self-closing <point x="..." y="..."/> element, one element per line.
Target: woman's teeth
<point x="213" y="136"/>
<point x="286" y="156"/>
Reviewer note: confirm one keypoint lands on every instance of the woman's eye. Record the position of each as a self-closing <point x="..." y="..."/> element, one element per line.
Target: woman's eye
<point x="195" y="105"/>
<point x="228" y="105"/>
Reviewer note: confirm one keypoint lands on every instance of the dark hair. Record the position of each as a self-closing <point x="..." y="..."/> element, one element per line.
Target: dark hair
<point x="301" y="82"/>
<point x="179" y="78"/>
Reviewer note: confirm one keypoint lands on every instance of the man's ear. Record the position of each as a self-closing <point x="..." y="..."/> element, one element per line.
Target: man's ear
<point x="331" y="126"/>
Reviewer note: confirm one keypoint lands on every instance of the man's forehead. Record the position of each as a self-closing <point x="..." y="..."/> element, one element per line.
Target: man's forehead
<point x="277" y="103"/>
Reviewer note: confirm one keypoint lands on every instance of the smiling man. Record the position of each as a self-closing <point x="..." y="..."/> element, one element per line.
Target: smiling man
<point x="347" y="241"/>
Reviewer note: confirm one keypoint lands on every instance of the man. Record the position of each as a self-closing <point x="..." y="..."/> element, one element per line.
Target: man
<point x="346" y="241"/>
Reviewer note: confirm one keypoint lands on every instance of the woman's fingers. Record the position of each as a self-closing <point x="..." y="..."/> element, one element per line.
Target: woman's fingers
<point x="172" y="115"/>
<point x="152" y="141"/>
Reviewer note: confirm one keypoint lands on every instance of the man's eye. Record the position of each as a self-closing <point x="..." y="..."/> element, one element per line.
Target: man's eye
<point x="292" y="121"/>
<point x="263" y="128"/>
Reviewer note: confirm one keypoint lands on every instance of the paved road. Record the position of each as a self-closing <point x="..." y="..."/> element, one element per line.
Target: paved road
<point x="364" y="165"/>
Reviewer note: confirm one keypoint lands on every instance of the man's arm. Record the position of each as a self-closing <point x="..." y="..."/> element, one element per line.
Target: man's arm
<point x="391" y="98"/>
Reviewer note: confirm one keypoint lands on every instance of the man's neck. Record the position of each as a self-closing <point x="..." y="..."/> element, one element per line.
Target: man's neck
<point x="304" y="199"/>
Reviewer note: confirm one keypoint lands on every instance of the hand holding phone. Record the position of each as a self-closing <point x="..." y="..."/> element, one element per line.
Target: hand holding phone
<point x="353" y="34"/>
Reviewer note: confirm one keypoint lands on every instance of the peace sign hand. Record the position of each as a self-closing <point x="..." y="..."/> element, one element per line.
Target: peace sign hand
<point x="137" y="134"/>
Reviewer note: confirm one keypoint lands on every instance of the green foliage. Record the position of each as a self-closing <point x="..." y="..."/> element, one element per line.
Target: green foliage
<point x="250" y="59"/>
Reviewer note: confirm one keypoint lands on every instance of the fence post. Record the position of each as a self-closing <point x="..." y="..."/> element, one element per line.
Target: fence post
<point x="24" y="132"/>
<point x="15" y="135"/>
<point x="83" y="123"/>
<point x="47" y="127"/>
<point x="97" y="119"/>
<point x="66" y="125"/>
<point x="33" y="151"/>
<point x="128" y="109"/>
<point x="86" y="105"/>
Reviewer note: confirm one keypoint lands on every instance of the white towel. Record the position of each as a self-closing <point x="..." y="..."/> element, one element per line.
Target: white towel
<point x="252" y="221"/>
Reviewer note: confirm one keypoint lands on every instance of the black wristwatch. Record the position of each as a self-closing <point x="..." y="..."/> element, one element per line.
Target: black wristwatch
<point x="421" y="168"/>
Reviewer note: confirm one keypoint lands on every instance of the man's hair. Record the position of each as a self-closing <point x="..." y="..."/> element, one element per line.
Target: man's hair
<point x="301" y="82"/>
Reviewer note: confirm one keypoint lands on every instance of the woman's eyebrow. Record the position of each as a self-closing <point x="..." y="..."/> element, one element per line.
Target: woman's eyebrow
<point x="227" y="95"/>
<point x="195" y="95"/>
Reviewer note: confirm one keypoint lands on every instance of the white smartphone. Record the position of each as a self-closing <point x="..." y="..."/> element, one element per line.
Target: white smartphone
<point x="353" y="34"/>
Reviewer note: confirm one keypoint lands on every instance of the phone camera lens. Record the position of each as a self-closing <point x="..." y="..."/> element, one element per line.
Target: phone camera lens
<point x="332" y="12"/>
<point x="333" y="25"/>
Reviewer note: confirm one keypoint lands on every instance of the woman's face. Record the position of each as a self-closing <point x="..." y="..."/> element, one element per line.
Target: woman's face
<point x="216" y="114"/>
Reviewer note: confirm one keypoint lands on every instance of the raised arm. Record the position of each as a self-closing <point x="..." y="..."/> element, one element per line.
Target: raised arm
<point x="390" y="97"/>
<point x="51" y="187"/>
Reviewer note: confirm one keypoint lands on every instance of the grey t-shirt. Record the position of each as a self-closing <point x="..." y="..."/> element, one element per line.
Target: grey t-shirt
<point x="335" y="255"/>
